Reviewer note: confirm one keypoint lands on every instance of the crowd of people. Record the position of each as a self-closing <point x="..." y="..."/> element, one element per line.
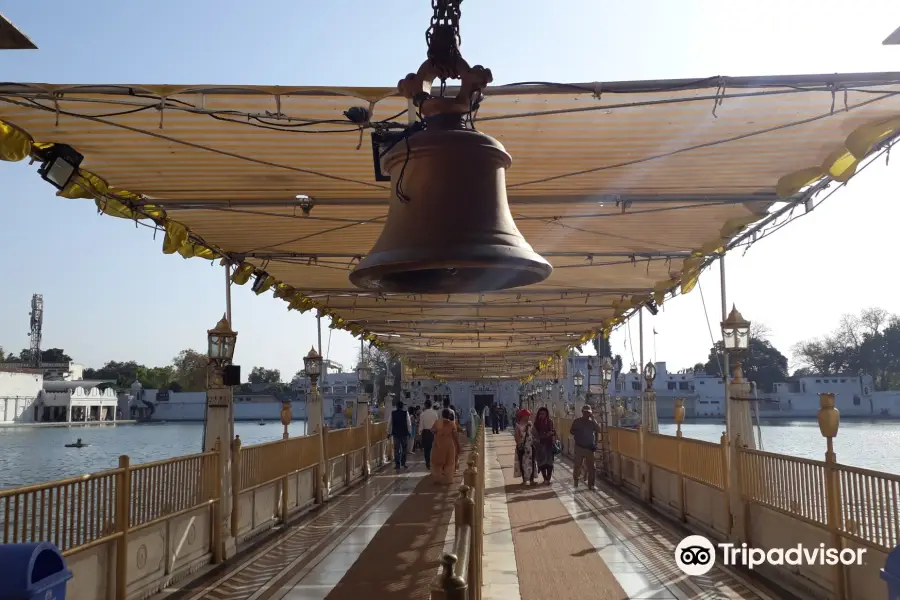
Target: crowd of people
<point x="435" y="430"/>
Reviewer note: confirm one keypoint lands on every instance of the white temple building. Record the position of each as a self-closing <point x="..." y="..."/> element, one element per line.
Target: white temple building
<point x="54" y="393"/>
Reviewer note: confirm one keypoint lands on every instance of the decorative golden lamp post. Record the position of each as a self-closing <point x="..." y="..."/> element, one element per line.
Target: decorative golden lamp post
<point x="578" y="380"/>
<point x="649" y="419"/>
<point x="736" y="339"/>
<point x="218" y="425"/>
<point x="679" y="415"/>
<point x="364" y="376"/>
<point x="606" y="374"/>
<point x="315" y="416"/>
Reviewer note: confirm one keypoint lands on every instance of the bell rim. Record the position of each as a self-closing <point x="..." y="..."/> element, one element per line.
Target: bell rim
<point x="518" y="260"/>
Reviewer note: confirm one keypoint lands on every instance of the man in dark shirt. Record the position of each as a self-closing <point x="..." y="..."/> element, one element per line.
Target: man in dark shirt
<point x="400" y="429"/>
<point x="586" y="432"/>
<point x="495" y="418"/>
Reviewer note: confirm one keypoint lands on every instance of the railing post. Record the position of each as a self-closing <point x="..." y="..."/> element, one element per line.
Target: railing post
<point x="681" y="493"/>
<point x="285" y="482"/>
<point x="217" y="547"/>
<point x="448" y="586"/>
<point x="646" y="492"/>
<point x="740" y="511"/>
<point x="829" y="421"/>
<point x="367" y="457"/>
<point x="726" y="482"/>
<point x="471" y="479"/>
<point x="235" y="485"/>
<point x="322" y="475"/>
<point x="465" y="516"/>
<point x="123" y="521"/>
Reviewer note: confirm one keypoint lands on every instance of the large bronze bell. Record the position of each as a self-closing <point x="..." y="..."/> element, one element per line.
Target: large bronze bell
<point x="449" y="229"/>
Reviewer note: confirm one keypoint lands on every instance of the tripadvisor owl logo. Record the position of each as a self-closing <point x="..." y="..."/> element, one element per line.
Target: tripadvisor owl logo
<point x="695" y="555"/>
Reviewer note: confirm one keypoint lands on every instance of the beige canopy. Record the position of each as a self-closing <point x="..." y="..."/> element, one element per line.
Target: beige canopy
<point x="627" y="189"/>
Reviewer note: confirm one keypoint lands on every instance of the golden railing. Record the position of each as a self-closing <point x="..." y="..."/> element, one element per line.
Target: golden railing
<point x="662" y="451"/>
<point x="378" y="431"/>
<point x="167" y="488"/>
<point x="869" y="506"/>
<point x="704" y="462"/>
<point x="344" y="441"/>
<point x="72" y="513"/>
<point x="627" y="442"/>
<point x="867" y="503"/>
<point x="787" y="484"/>
<point x="79" y="513"/>
<point x="261" y="464"/>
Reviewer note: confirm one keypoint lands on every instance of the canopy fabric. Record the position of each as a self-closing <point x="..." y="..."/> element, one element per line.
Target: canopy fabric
<point x="626" y="188"/>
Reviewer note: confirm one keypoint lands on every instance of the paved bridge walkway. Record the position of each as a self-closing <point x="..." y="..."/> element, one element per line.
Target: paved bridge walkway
<point x="383" y="539"/>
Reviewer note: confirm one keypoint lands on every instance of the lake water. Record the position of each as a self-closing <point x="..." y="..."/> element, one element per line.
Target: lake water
<point x="37" y="455"/>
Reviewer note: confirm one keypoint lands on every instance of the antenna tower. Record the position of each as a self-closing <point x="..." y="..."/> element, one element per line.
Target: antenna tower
<point x="37" y="324"/>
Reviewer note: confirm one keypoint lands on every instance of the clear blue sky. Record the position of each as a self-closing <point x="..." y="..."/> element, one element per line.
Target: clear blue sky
<point x="111" y="294"/>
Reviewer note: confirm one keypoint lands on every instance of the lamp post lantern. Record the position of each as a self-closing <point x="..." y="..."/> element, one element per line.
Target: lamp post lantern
<point x="578" y="380"/>
<point x="735" y="332"/>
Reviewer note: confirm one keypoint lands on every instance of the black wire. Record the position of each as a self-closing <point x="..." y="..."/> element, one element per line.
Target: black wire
<point x="112" y="114"/>
<point x="218" y="115"/>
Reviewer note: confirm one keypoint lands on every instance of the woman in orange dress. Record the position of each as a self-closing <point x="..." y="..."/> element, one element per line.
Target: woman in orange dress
<point x="445" y="450"/>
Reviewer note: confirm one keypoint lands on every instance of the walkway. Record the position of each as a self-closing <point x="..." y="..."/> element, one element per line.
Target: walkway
<point x="381" y="539"/>
<point x="585" y="544"/>
<point x="384" y="538"/>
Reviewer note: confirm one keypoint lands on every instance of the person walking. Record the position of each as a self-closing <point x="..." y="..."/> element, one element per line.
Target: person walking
<point x="495" y="418"/>
<point x="426" y="423"/>
<point x="524" y="435"/>
<point x="399" y="428"/>
<point x="586" y="432"/>
<point x="545" y="443"/>
<point x="445" y="454"/>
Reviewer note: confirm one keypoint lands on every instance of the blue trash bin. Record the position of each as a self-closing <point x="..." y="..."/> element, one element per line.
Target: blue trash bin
<point x="891" y="574"/>
<point x="32" y="572"/>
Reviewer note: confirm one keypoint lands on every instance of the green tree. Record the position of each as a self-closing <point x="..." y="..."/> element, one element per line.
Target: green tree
<point x="601" y="346"/>
<point x="380" y="362"/>
<point x="868" y="343"/>
<point x="190" y="370"/>
<point x="123" y="374"/>
<point x="55" y="355"/>
<point x="261" y="375"/>
<point x="762" y="364"/>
